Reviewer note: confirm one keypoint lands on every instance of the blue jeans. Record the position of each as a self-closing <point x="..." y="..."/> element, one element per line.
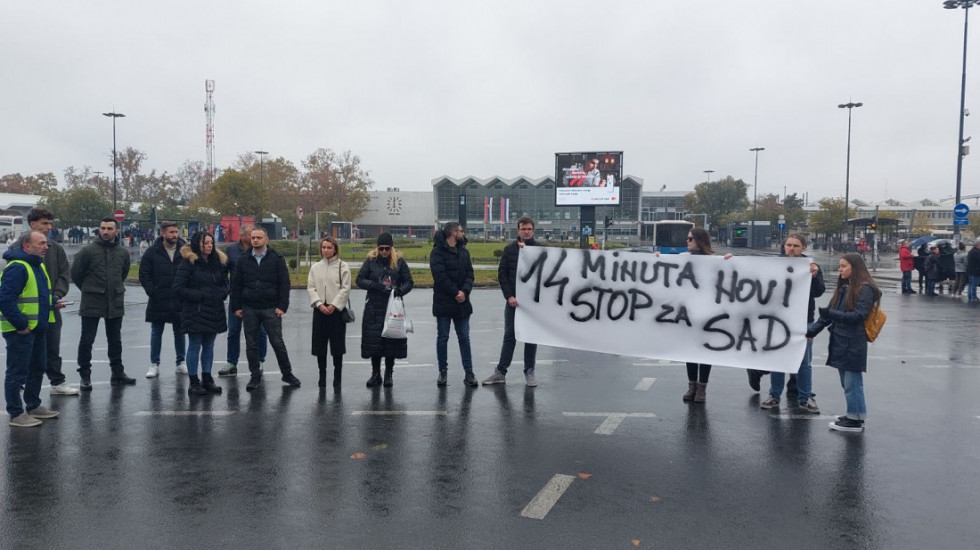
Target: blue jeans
<point x="442" y="340"/>
<point x="26" y="360"/>
<point x="853" y="384"/>
<point x="804" y="378"/>
<point x="971" y="292"/>
<point x="907" y="281"/>
<point x="235" y="339"/>
<point x="930" y="286"/>
<point x="200" y="345"/>
<point x="156" y="341"/>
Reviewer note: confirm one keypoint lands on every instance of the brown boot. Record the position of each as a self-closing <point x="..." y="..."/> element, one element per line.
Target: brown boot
<point x="691" y="387"/>
<point x="699" y="395"/>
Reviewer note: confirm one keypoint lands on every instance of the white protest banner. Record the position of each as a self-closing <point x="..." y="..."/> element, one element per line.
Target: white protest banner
<point x="747" y="312"/>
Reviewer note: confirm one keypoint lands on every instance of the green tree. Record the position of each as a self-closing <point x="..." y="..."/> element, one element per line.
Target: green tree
<point x="974" y="227"/>
<point x="793" y="210"/>
<point x="236" y="193"/>
<point x="279" y="176"/>
<point x="82" y="206"/>
<point x="718" y="199"/>
<point x="829" y="220"/>
<point x="921" y="224"/>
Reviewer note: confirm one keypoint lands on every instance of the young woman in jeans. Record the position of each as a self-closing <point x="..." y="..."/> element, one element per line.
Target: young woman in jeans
<point x="850" y="305"/>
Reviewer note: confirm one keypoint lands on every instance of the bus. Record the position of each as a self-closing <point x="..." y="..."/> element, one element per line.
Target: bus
<point x="670" y="236"/>
<point x="11" y="227"/>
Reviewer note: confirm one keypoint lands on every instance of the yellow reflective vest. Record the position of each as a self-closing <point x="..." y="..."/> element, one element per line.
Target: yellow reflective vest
<point x="29" y="301"/>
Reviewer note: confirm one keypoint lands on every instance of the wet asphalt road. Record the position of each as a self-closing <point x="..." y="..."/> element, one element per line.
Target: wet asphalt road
<point x="147" y="466"/>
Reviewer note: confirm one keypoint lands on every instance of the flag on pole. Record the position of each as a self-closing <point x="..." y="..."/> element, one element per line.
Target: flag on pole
<point x="486" y="203"/>
<point x="503" y="202"/>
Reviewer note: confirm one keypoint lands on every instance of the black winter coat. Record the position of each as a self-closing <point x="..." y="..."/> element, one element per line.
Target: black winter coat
<point x="932" y="266"/>
<point x="371" y="278"/>
<point x="452" y="271"/>
<point x="260" y="286"/>
<point x="202" y="287"/>
<point x="848" y="348"/>
<point x="973" y="262"/>
<point x="156" y="274"/>
<point x="817" y="288"/>
<point x="507" y="268"/>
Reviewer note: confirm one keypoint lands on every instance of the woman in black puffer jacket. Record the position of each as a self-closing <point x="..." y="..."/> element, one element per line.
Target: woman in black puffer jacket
<point x="202" y="285"/>
<point x="384" y="271"/>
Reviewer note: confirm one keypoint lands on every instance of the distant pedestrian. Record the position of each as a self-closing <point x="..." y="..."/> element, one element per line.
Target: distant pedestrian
<point x="973" y="271"/>
<point x="959" y="263"/>
<point x="26" y="310"/>
<point x="932" y="270"/>
<point x="328" y="286"/>
<point x="59" y="271"/>
<point x="260" y="297"/>
<point x="99" y="271"/>
<point x="507" y="277"/>
<point x="452" y="283"/>
<point x="906" y="262"/>
<point x="383" y="272"/>
<point x="850" y="305"/>
<point x="920" y="264"/>
<point x="201" y="284"/>
<point x="157" y="270"/>
<point x="144" y="245"/>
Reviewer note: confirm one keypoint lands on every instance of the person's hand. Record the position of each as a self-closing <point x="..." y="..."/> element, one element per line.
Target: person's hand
<point x="814" y="269"/>
<point x="520" y="244"/>
<point x="460" y="297"/>
<point x="330" y="309"/>
<point x="24" y="331"/>
<point x="656" y="253"/>
<point x="727" y="256"/>
<point x="239" y="313"/>
<point x="398" y="293"/>
<point x="279" y="312"/>
<point x="322" y="309"/>
<point x="60" y="304"/>
<point x="824" y="311"/>
<point x="512" y="301"/>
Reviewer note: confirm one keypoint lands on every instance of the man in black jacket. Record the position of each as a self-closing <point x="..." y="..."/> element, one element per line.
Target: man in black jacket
<point x="260" y="297"/>
<point x="507" y="276"/>
<point x="452" y="282"/>
<point x="973" y="271"/>
<point x="157" y="269"/>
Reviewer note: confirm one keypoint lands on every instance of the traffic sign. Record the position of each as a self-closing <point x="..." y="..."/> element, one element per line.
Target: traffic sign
<point x="299" y="212"/>
<point x="119" y="215"/>
<point x="961" y="211"/>
<point x="961" y="221"/>
<point x="781" y="226"/>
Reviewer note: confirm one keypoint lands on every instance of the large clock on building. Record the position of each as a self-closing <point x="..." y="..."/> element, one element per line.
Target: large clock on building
<point x="394" y="206"/>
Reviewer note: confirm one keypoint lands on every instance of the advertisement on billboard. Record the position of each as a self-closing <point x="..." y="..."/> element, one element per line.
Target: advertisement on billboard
<point x="588" y="179"/>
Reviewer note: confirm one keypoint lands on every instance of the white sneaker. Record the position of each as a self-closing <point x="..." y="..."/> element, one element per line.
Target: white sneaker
<point x="64" y="389"/>
<point x="181" y="368"/>
<point x="153" y="371"/>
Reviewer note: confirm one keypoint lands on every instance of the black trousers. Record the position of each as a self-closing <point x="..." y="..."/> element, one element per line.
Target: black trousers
<point x="113" y="334"/>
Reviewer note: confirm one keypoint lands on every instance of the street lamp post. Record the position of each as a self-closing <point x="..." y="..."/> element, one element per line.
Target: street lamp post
<point x="114" y="116"/>
<point x="262" y="155"/>
<point x="847" y="177"/>
<point x="755" y="194"/>
<point x="709" y="172"/>
<point x="960" y="150"/>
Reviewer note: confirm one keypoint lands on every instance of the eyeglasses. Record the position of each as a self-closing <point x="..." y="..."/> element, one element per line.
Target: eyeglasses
<point x="384" y="248"/>
<point x="689" y="239"/>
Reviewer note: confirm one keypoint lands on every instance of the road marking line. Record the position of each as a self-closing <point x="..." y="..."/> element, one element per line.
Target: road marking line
<point x="547" y="497"/>
<point x="184" y="413"/>
<point x="537" y="361"/>
<point x="398" y="413"/>
<point x="397" y="366"/>
<point x="612" y="420"/>
<point x="659" y="363"/>
<point x="935" y="366"/>
<point x="644" y="384"/>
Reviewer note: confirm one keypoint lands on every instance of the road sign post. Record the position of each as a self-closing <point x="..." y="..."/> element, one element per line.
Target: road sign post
<point x="119" y="215"/>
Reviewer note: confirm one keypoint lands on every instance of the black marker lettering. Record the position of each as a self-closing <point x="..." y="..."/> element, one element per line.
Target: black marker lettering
<point x="709" y="327"/>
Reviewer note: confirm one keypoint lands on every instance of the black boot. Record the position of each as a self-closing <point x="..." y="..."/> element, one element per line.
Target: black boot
<point x="195" y="387"/>
<point x="207" y="382"/>
<point x="389" y="371"/>
<point x="375" y="379"/>
<point x="323" y="377"/>
<point x="338" y="367"/>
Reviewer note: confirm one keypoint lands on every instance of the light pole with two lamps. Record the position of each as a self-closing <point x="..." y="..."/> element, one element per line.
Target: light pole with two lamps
<point x="755" y="194"/>
<point x="850" y="105"/>
<point x="114" y="116"/>
<point x="961" y="149"/>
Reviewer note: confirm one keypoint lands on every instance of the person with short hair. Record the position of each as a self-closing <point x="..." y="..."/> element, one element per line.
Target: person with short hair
<point x="593" y="176"/>
<point x="26" y="311"/>
<point x="99" y="271"/>
<point x="383" y="272"/>
<point x="932" y="270"/>
<point x="234" y="252"/>
<point x="959" y="261"/>
<point x="973" y="272"/>
<point x="452" y="283"/>
<point x="156" y="272"/>
<point x="328" y="286"/>
<point x="856" y="295"/>
<point x="507" y="277"/>
<point x="59" y="270"/>
<point x="260" y="297"/>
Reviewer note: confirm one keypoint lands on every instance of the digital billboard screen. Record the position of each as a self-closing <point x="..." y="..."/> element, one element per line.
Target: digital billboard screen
<point x="588" y="179"/>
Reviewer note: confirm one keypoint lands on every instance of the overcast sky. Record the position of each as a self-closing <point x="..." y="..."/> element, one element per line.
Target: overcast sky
<point x="431" y="88"/>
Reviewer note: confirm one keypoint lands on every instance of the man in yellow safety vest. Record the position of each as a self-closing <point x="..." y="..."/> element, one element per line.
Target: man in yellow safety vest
<point x="26" y="309"/>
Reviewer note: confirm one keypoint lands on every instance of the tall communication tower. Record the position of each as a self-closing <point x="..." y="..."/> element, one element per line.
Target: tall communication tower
<point x="209" y="113"/>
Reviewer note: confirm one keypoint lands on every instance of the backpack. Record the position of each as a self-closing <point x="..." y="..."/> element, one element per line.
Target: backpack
<point x="874" y="323"/>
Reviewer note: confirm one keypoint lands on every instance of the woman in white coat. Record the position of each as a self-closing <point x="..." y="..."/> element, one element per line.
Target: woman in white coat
<point x="328" y="285"/>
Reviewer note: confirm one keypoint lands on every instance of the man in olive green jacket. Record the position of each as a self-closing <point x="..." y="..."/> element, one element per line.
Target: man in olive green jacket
<point x="99" y="271"/>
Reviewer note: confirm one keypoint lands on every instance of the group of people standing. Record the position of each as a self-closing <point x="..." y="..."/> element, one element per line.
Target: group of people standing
<point x="188" y="283"/>
<point x="963" y="269"/>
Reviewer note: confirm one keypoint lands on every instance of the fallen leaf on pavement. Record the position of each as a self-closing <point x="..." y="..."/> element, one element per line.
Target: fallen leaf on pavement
<point x="583" y="475"/>
<point x="358" y="456"/>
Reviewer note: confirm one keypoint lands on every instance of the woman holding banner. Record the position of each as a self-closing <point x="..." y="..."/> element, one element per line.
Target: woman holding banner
<point x="384" y="271"/>
<point x="698" y="243"/>
<point x="850" y="305"/>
